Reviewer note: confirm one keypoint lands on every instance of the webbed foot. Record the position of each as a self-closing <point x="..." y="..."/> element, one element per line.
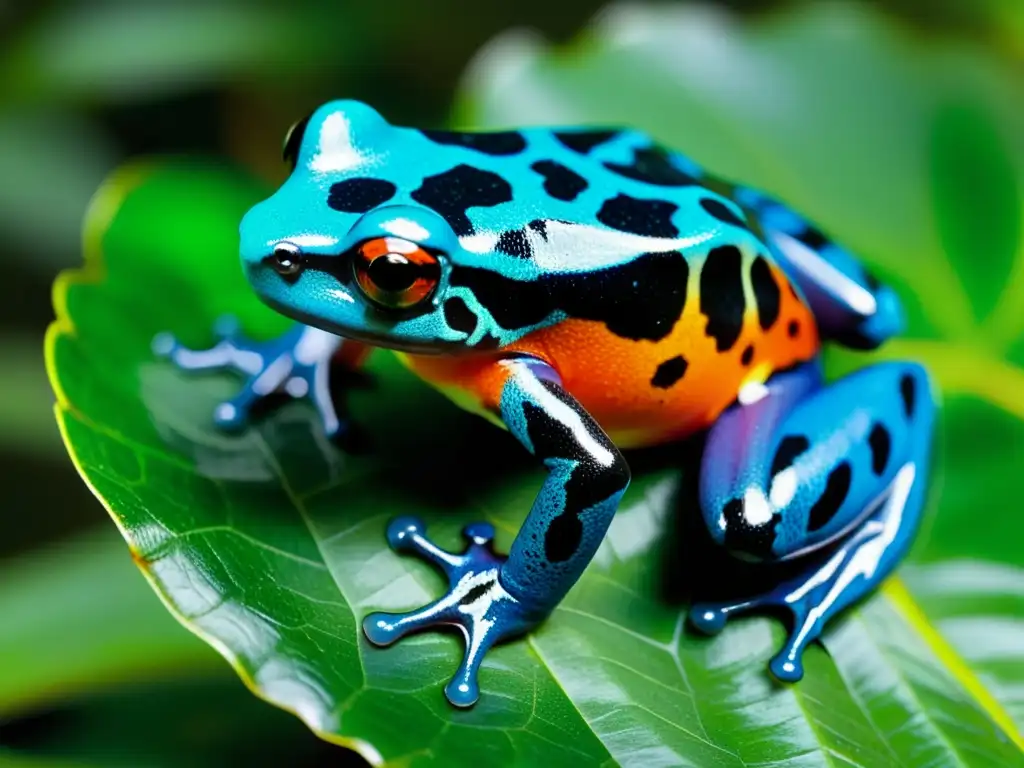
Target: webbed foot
<point x="812" y="598"/>
<point x="296" y="363"/>
<point x="476" y="602"/>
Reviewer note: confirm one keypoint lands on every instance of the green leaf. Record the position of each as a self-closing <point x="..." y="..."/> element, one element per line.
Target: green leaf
<point x="977" y="202"/>
<point x="270" y="544"/>
<point x="78" y="618"/>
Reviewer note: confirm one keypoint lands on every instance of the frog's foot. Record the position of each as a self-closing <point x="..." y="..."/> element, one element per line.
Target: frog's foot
<point x="476" y="602"/>
<point x="296" y="363"/>
<point x="816" y="595"/>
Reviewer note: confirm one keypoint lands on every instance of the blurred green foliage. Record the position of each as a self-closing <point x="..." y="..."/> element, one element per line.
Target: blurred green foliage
<point x="85" y="84"/>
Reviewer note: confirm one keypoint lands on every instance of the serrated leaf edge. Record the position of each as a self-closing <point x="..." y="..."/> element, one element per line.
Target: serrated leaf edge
<point x="100" y="213"/>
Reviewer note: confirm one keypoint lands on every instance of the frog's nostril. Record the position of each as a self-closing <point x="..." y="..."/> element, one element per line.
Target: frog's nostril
<point x="287" y="260"/>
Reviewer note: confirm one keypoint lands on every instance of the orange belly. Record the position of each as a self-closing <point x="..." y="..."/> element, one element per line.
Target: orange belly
<point x="617" y="379"/>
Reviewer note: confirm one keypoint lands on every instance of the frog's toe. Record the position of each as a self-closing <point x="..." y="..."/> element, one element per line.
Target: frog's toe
<point x="408" y="534"/>
<point x="226" y="327"/>
<point x="709" y="619"/>
<point x="788" y="666"/>
<point x="164" y="344"/>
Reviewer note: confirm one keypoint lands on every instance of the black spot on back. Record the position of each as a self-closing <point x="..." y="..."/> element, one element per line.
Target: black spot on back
<point x="455" y="191"/>
<point x="721" y="212"/>
<point x="496" y="143"/>
<point x="515" y="243"/>
<point x="584" y="141"/>
<point x="836" y="488"/>
<point x="881" y="444"/>
<point x="908" y="392"/>
<point x="748" y="355"/>
<point x="789" y="449"/>
<point x="669" y="372"/>
<point x="793" y="328"/>
<point x="766" y="292"/>
<point x="359" y="195"/>
<point x="741" y="536"/>
<point x="459" y="316"/>
<point x="721" y="295"/>
<point x="641" y="299"/>
<point x="560" y="182"/>
<point x="651" y="218"/>
<point x="651" y="165"/>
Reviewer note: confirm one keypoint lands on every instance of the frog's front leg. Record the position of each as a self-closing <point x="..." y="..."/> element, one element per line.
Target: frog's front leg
<point x="490" y="597"/>
<point x="296" y="363"/>
<point x="806" y="466"/>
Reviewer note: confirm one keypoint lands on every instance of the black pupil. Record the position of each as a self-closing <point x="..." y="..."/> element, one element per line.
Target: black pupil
<point x="393" y="272"/>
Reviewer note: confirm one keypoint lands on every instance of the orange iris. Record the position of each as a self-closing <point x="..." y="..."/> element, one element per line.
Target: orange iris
<point x="396" y="273"/>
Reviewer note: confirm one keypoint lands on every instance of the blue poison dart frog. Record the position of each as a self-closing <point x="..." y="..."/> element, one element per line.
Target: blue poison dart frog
<point x="590" y="292"/>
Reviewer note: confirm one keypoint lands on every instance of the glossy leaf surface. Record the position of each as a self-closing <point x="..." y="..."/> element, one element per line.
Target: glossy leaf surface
<point x="270" y="544"/>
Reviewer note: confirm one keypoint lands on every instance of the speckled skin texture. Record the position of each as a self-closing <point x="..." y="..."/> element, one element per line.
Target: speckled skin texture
<point x="592" y="292"/>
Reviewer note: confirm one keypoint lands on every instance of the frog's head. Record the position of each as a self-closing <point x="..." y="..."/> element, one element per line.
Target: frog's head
<point x="343" y="245"/>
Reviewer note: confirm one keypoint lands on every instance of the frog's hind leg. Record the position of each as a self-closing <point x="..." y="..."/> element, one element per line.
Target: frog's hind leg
<point x="806" y="466"/>
<point x="850" y="305"/>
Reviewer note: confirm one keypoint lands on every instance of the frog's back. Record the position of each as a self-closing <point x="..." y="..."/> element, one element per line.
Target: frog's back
<point x="666" y="303"/>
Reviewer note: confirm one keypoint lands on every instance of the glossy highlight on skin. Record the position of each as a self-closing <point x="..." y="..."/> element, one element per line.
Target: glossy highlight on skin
<point x="589" y="292"/>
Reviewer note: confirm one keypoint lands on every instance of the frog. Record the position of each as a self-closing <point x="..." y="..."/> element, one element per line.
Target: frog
<point x="592" y="292"/>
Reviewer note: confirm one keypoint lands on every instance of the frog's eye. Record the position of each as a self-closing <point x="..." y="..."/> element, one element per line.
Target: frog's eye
<point x="293" y="140"/>
<point x="395" y="273"/>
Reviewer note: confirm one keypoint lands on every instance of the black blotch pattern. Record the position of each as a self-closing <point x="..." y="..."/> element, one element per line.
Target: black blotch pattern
<point x="540" y="226"/>
<point x="721" y="295"/>
<point x="836" y="488"/>
<point x="455" y="191"/>
<point x="766" y="292"/>
<point x="496" y="143"/>
<point x="560" y="182"/>
<point x="908" y="391"/>
<point x="813" y="238"/>
<point x="475" y="593"/>
<point x="789" y="449"/>
<point x="562" y="538"/>
<point x="881" y="445"/>
<point x="651" y="165"/>
<point x="584" y="141"/>
<point x="359" y="195"/>
<point x="641" y="299"/>
<point x="515" y="243"/>
<point x="651" y="218"/>
<point x="590" y="481"/>
<point x="669" y="372"/>
<point x="741" y="536"/>
<point x="793" y="329"/>
<point x="459" y="316"/>
<point x="721" y="212"/>
<point x="748" y="355"/>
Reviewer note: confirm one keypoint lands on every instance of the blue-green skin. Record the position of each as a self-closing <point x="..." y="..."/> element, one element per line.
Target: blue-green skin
<point x="855" y="451"/>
